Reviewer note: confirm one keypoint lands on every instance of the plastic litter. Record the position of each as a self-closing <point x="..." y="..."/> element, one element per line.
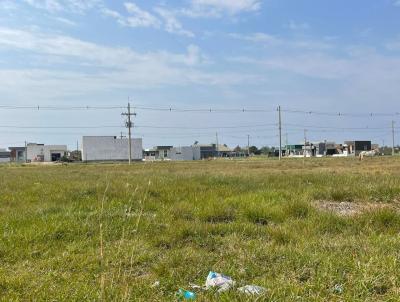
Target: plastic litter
<point x="187" y="295"/>
<point x="196" y="287"/>
<point x="156" y="284"/>
<point x="252" y="290"/>
<point x="223" y="283"/>
<point x="338" y="289"/>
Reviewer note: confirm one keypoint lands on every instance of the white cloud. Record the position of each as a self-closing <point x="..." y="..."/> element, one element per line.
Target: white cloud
<point x="397" y="3"/>
<point x="80" y="67"/>
<point x="65" y="21"/>
<point x="55" y="6"/>
<point x="139" y="17"/>
<point x="268" y="40"/>
<point x="228" y="6"/>
<point x="298" y="26"/>
<point x="258" y="38"/>
<point x="171" y="23"/>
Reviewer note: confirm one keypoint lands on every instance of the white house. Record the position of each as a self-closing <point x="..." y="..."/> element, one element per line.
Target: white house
<point x="45" y="153"/>
<point x="173" y="153"/>
<point x="110" y="148"/>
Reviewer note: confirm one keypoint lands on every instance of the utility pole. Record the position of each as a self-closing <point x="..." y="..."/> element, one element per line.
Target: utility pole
<point x="392" y="138"/>
<point x="248" y="145"/>
<point x="305" y="142"/>
<point x="129" y="125"/>
<point x="280" y="132"/>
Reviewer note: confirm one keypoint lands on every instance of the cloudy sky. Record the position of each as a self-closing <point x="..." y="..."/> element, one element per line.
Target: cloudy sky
<point x="321" y="56"/>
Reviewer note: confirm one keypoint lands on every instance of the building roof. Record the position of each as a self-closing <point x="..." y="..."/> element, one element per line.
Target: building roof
<point x="17" y="148"/>
<point x="221" y="148"/>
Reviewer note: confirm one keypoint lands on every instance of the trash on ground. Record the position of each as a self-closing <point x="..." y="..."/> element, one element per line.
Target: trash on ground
<point x="156" y="284"/>
<point x="252" y="290"/>
<point x="338" y="289"/>
<point x="197" y="287"/>
<point x="223" y="283"/>
<point x="187" y="295"/>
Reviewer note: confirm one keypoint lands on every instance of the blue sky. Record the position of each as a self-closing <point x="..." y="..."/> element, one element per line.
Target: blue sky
<point x="335" y="56"/>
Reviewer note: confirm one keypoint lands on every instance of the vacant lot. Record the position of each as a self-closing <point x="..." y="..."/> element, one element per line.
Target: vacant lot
<point x="319" y="230"/>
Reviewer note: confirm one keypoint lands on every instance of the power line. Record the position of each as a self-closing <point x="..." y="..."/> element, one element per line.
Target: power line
<point x="205" y="110"/>
<point x="59" y="108"/>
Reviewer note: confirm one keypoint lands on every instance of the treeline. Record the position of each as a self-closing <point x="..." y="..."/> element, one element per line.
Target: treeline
<point x="255" y="150"/>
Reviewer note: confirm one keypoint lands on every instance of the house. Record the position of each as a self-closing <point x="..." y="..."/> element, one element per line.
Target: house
<point x="110" y="148"/>
<point x="5" y="156"/>
<point x="172" y="153"/>
<point x="157" y="153"/>
<point x="18" y="154"/>
<point x="356" y="147"/>
<point x="293" y="150"/>
<point x="214" y="150"/>
<point x="45" y="153"/>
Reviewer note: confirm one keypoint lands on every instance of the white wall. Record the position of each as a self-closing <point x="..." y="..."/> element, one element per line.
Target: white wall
<point x="33" y="151"/>
<point x="110" y="148"/>
<point x="185" y="153"/>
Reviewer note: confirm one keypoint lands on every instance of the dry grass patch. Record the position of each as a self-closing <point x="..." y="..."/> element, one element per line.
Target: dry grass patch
<point x="348" y="209"/>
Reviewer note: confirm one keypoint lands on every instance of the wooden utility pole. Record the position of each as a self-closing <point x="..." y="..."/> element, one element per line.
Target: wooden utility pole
<point x="280" y="133"/>
<point x="305" y="142"/>
<point x="129" y="125"/>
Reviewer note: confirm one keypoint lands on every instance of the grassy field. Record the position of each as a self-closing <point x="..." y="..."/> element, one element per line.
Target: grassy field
<point x="109" y="232"/>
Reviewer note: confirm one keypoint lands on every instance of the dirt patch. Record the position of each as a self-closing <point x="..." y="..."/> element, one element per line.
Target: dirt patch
<point x="351" y="208"/>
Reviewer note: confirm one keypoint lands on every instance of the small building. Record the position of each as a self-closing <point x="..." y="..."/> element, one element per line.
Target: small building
<point x="18" y="154"/>
<point x="172" y="153"/>
<point x="45" y="153"/>
<point x="293" y="150"/>
<point x="356" y="147"/>
<point x="185" y="153"/>
<point x="214" y="150"/>
<point x="5" y="156"/>
<point x="157" y="153"/>
<point x="110" y="148"/>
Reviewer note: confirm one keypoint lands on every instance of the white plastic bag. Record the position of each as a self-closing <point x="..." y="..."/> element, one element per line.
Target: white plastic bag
<point x="252" y="290"/>
<point x="223" y="283"/>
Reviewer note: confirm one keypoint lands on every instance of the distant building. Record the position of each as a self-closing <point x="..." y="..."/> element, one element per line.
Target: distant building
<point x="214" y="150"/>
<point x="5" y="156"/>
<point x="18" y="154"/>
<point x="110" y="148"/>
<point x="172" y="153"/>
<point x="185" y="153"/>
<point x="45" y="153"/>
<point x="157" y="153"/>
<point x="356" y="147"/>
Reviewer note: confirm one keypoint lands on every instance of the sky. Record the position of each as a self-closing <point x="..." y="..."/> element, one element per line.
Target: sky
<point x="306" y="56"/>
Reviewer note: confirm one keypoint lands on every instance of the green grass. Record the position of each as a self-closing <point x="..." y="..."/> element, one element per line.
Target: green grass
<point x="108" y="232"/>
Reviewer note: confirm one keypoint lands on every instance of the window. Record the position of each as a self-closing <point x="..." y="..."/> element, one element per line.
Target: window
<point x="165" y="153"/>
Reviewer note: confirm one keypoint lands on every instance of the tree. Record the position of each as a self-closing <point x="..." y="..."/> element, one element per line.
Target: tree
<point x="265" y="150"/>
<point x="237" y="149"/>
<point x="254" y="150"/>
